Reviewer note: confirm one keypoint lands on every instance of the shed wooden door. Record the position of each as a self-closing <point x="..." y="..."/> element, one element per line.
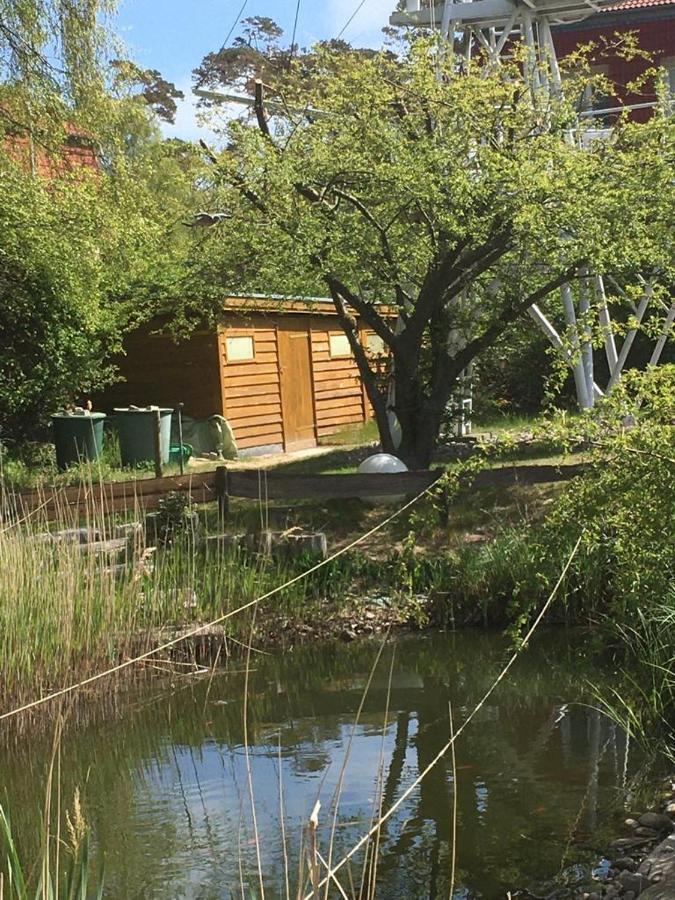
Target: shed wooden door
<point x="295" y="370"/>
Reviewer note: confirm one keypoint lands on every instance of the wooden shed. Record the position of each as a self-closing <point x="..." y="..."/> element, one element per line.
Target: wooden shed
<point x="280" y="370"/>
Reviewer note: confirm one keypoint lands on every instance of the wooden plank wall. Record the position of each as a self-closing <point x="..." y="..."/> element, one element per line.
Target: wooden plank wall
<point x="338" y="392"/>
<point x="196" y="372"/>
<point x="159" y="371"/>
<point x="251" y="394"/>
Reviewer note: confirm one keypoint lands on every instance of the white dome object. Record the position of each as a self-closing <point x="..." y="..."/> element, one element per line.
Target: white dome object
<point x="382" y="464"/>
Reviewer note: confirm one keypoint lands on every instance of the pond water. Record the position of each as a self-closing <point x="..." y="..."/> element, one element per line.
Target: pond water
<point x="542" y="780"/>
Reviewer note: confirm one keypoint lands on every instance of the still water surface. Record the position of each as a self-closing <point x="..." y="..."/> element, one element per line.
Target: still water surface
<point x="542" y="779"/>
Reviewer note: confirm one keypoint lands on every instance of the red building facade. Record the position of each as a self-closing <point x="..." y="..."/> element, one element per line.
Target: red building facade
<point x="76" y="152"/>
<point x="652" y="21"/>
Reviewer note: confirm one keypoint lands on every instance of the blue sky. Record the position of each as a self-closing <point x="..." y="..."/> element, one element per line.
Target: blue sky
<point x="174" y="35"/>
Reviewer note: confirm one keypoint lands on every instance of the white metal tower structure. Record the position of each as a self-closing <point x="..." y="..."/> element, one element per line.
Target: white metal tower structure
<point x="489" y="24"/>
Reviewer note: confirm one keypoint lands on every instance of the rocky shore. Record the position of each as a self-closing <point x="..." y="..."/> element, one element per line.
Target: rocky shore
<point x="642" y="863"/>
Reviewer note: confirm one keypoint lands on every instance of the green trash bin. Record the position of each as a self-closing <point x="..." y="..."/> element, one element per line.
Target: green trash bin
<point x="77" y="437"/>
<point x="136" y="429"/>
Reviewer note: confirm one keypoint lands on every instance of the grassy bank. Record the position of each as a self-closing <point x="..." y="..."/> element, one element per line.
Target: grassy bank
<point x="67" y="611"/>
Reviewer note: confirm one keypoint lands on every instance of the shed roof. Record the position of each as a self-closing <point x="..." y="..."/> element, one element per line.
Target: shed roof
<point x="283" y="303"/>
<point x="636" y="4"/>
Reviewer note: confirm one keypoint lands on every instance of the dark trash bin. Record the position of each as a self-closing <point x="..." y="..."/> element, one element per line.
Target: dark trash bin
<point x="78" y="436"/>
<point x="136" y="428"/>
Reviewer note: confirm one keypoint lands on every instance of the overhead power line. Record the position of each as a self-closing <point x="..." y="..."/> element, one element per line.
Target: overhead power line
<point x="350" y="19"/>
<point x="295" y="28"/>
<point x="234" y="24"/>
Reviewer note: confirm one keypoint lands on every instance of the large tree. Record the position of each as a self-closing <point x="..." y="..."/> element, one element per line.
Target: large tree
<point x="436" y="207"/>
<point x="90" y="237"/>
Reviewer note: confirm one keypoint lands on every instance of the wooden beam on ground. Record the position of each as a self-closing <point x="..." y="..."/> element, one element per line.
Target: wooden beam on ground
<point x="144" y="494"/>
<point x="271" y="485"/>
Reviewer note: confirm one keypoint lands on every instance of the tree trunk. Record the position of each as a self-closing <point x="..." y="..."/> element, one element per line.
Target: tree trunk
<point x="420" y="419"/>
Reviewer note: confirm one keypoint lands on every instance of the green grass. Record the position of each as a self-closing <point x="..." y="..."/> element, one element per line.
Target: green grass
<point x="34" y="466"/>
<point x="643" y="702"/>
<point x="504" y="423"/>
<point x="62" y="869"/>
<point x="360" y="433"/>
<point x="65" y="614"/>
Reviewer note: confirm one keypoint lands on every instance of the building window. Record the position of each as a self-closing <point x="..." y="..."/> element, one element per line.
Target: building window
<point x="669" y="65"/>
<point x="375" y="345"/>
<point x="240" y="349"/>
<point x="339" y="345"/>
<point x="594" y="98"/>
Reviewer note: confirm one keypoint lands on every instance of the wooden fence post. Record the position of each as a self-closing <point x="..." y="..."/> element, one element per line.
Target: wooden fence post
<point x="157" y="437"/>
<point x="222" y="495"/>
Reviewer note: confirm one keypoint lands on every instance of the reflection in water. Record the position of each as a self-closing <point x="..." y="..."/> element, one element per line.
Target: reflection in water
<point x="540" y="778"/>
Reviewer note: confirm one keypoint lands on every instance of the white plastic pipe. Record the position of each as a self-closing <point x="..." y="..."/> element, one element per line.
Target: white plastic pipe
<point x="606" y="324"/>
<point x="630" y="337"/>
<point x="555" y="339"/>
<point x="577" y="364"/>
<point x="586" y="336"/>
<point x="663" y="337"/>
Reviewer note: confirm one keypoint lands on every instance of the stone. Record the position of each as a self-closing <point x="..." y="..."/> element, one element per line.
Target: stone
<point x="151" y="528"/>
<point x="625" y="864"/>
<point x="71" y="536"/>
<point x="656" y="821"/>
<point x="660" y="864"/>
<point x="642" y="831"/>
<point x="223" y="543"/>
<point x="632" y="881"/>
<point x="662" y="891"/>
<point x="311" y="543"/>
<point x="631" y="823"/>
<point x="128" y="529"/>
<point x="114" y="550"/>
<point x="628" y="843"/>
<point x="347" y="635"/>
<point x="670" y="808"/>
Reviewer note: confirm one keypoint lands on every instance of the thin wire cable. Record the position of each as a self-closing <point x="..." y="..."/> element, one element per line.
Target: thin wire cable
<point x="441" y="753"/>
<point x="295" y="28"/>
<point x="350" y="19"/>
<point x="234" y="24"/>
<point x="200" y="628"/>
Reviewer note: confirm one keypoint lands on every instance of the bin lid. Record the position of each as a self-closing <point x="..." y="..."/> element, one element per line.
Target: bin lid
<point x="78" y="414"/>
<point x="142" y="409"/>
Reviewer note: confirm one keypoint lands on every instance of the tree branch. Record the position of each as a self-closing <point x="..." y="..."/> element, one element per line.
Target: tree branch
<point x="259" y="109"/>
<point x="387" y="252"/>
<point x="509" y="315"/>
<point x="350" y="328"/>
<point x="366" y="310"/>
<point x="455" y="272"/>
